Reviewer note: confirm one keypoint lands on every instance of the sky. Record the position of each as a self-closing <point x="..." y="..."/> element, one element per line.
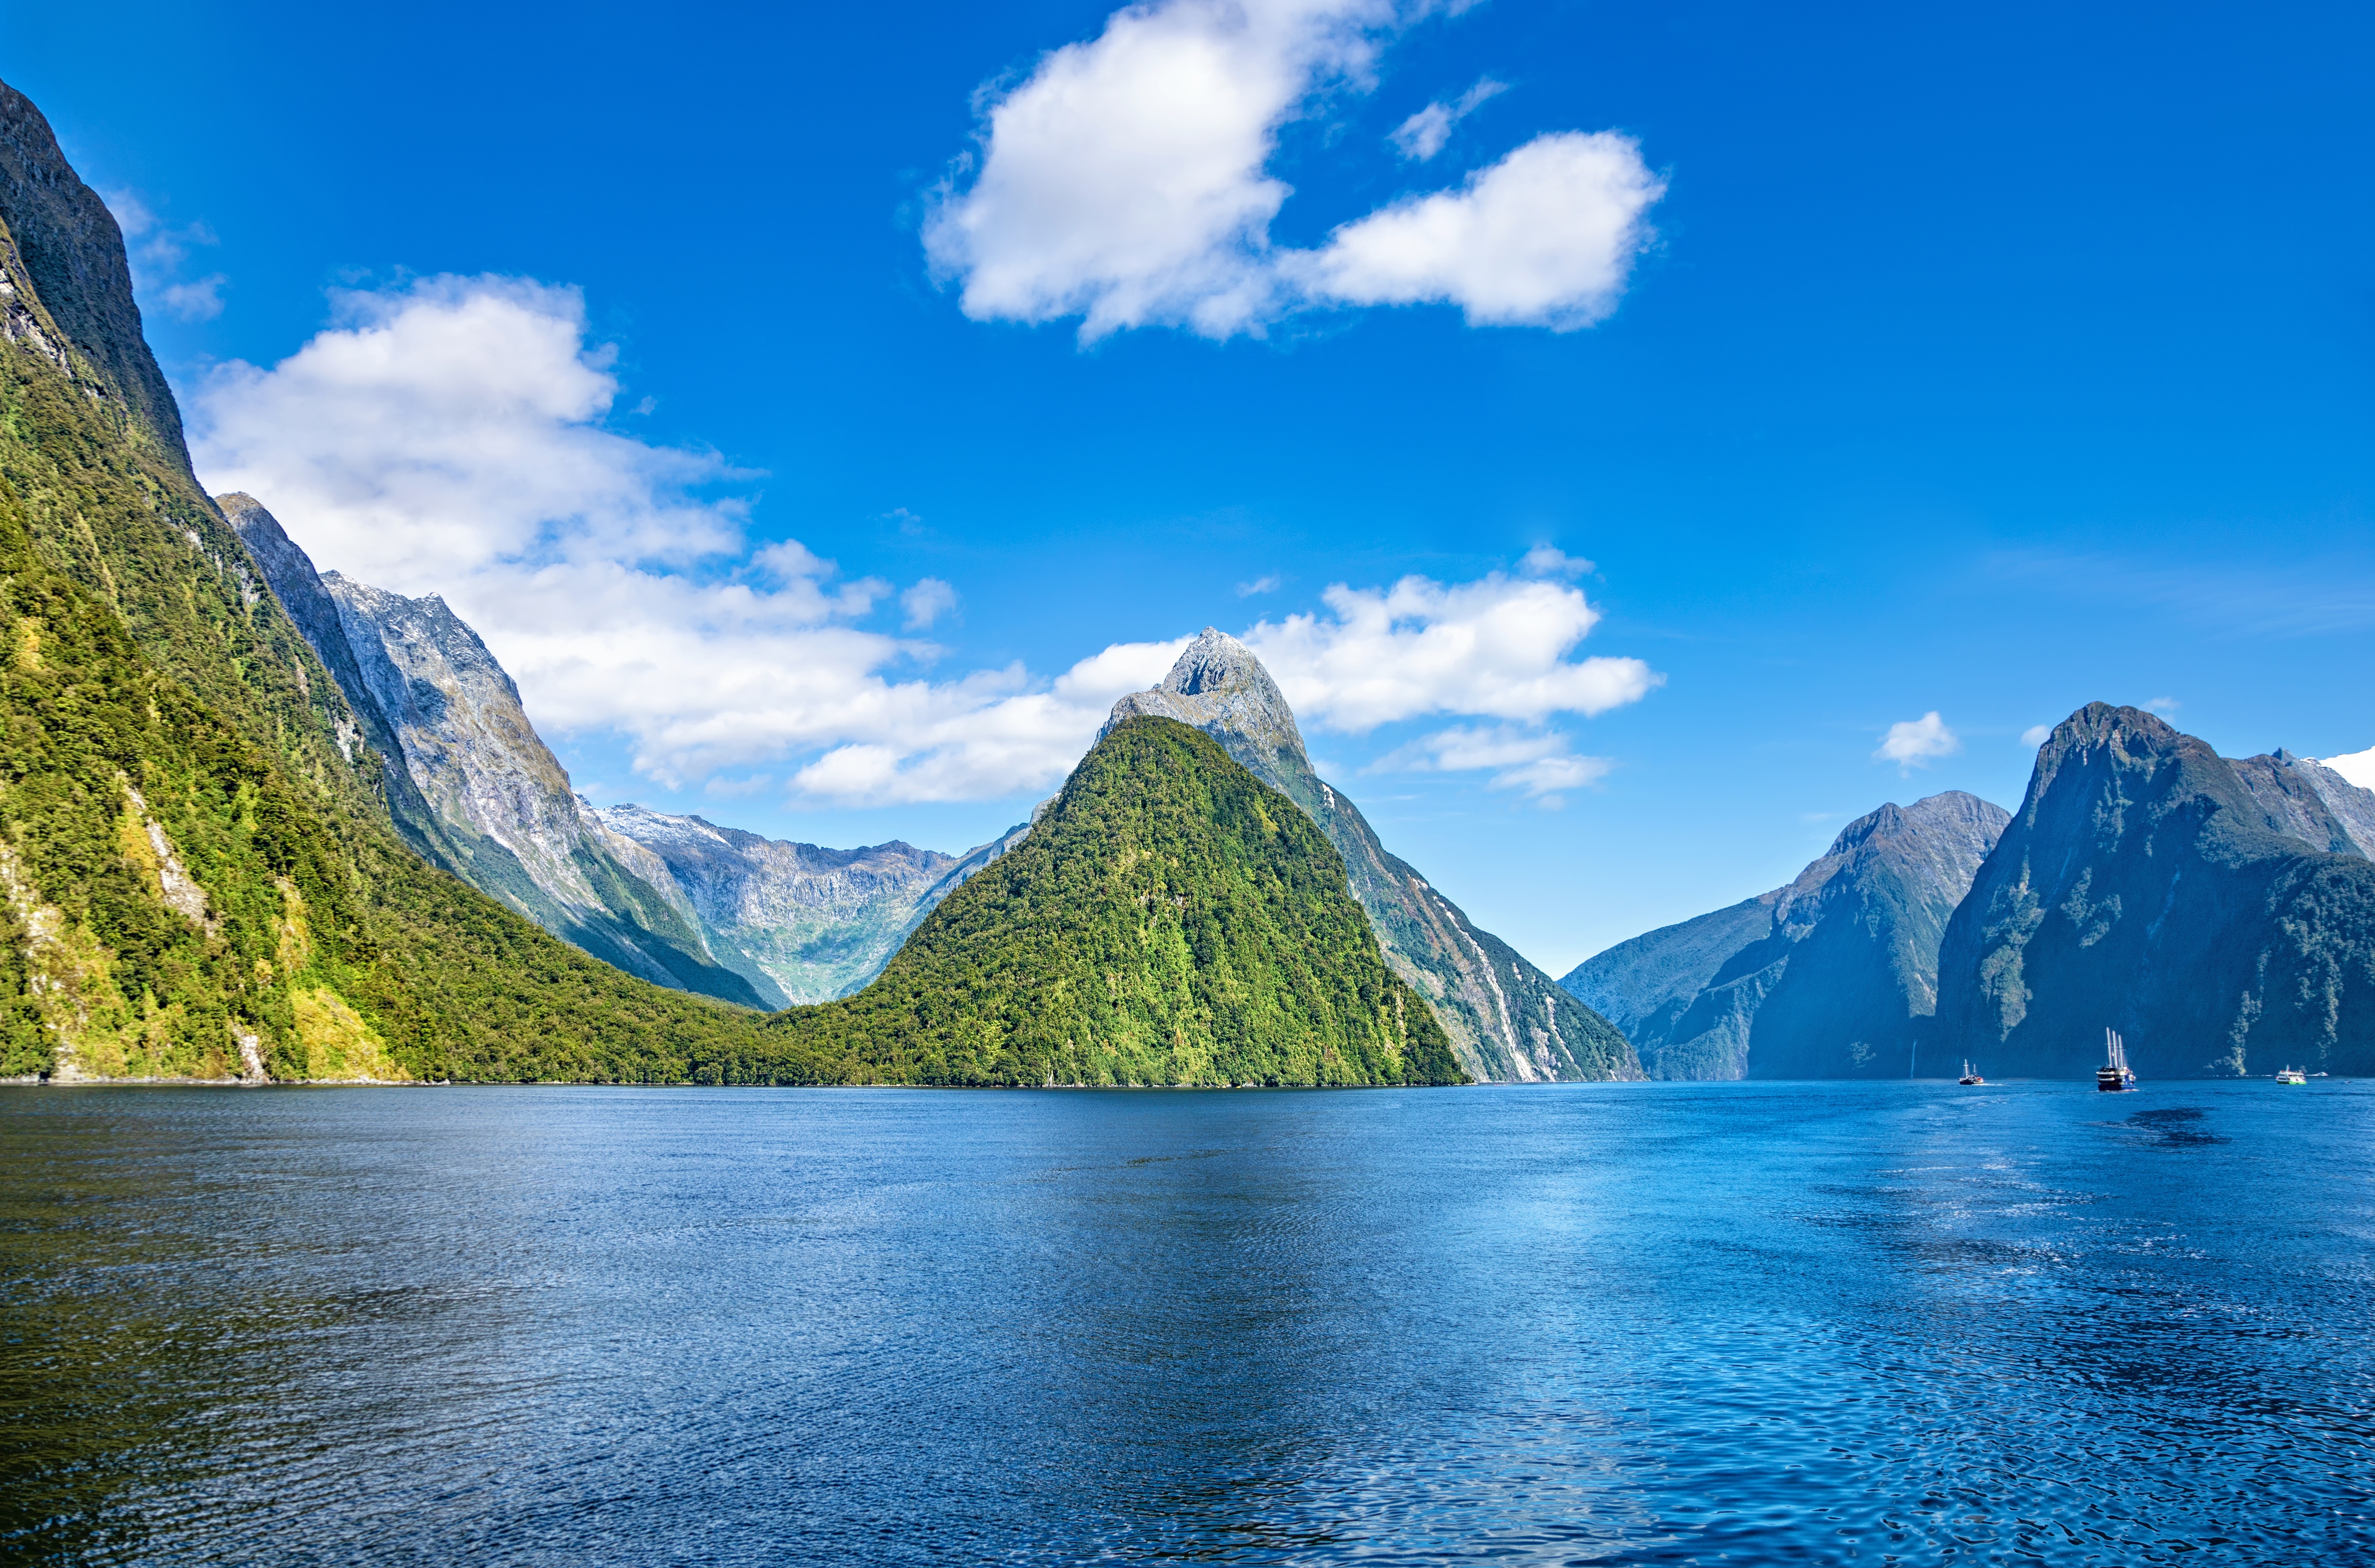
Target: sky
<point x="1640" y="438"/>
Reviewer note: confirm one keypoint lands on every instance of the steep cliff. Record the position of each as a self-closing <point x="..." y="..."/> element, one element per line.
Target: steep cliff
<point x="199" y="876"/>
<point x="1835" y="976"/>
<point x="1169" y="920"/>
<point x="2220" y="915"/>
<point x="1507" y="1019"/>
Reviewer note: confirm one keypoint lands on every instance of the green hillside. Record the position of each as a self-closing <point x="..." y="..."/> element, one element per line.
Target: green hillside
<point x="197" y="876"/>
<point x="1171" y="920"/>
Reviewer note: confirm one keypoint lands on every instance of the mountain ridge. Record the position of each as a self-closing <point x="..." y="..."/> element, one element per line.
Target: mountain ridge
<point x="1831" y="975"/>
<point x="1506" y="1019"/>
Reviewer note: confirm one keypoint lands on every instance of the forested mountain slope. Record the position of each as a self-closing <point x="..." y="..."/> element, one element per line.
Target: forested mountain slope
<point x="1507" y="1019"/>
<point x="201" y="875"/>
<point x="1169" y="920"/>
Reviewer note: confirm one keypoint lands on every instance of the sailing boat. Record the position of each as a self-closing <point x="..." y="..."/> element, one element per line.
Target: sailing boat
<point x="2113" y="1077"/>
<point x="1968" y="1075"/>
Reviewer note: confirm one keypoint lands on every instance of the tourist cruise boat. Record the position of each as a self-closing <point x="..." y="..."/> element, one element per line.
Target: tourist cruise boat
<point x="1968" y="1075"/>
<point x="2113" y="1077"/>
<point x="2292" y="1075"/>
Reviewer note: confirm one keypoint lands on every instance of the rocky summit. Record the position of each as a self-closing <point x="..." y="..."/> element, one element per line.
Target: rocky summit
<point x="1508" y="1021"/>
<point x="1169" y="920"/>
<point x="1835" y="976"/>
<point x="2219" y="913"/>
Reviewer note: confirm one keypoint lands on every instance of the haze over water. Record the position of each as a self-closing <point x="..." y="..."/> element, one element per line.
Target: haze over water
<point x="1675" y="1324"/>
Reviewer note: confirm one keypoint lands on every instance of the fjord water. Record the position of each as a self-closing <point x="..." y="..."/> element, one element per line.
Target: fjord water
<point x="1636" y="1322"/>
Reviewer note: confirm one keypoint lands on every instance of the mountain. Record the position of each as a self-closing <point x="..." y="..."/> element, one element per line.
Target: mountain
<point x="1170" y="919"/>
<point x="1508" y="1021"/>
<point x="200" y="869"/>
<point x="2219" y="913"/>
<point x="676" y="900"/>
<point x="1835" y="976"/>
<point x="802" y="923"/>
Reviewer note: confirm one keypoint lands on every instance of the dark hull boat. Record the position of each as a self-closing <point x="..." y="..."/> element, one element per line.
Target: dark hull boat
<point x="2113" y="1077"/>
<point x="1969" y="1077"/>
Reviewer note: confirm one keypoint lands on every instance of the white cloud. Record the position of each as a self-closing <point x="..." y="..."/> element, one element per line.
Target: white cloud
<point x="1911" y="743"/>
<point x="927" y="601"/>
<point x="1536" y="762"/>
<point x="1422" y="136"/>
<point x="449" y="438"/>
<point x="2359" y="767"/>
<point x="1544" y="237"/>
<point x="1126" y="182"/>
<point x="2164" y="706"/>
<point x="1267" y="584"/>
<point x="2036" y="734"/>
<point x="1497" y="647"/>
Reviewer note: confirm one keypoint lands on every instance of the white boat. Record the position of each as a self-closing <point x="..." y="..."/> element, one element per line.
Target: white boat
<point x="2113" y="1077"/>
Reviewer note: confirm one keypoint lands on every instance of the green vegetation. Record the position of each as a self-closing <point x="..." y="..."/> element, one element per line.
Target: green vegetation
<point x="199" y="876"/>
<point x="196" y="878"/>
<point x="1172" y="920"/>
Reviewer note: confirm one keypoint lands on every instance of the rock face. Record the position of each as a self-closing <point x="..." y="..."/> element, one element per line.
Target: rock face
<point x="1170" y="919"/>
<point x="2305" y="799"/>
<point x="1835" y="976"/>
<point x="469" y="782"/>
<point x="199" y="878"/>
<point x="2220" y="915"/>
<point x="1508" y="1021"/>
<point x="802" y="924"/>
<point x="675" y="899"/>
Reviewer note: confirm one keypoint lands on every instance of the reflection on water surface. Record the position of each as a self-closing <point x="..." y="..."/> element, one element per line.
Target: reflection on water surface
<point x="1668" y="1323"/>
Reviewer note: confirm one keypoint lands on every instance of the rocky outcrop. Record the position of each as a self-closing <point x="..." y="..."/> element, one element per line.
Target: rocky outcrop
<point x="1508" y="1021"/>
<point x="1835" y="976"/>
<point x="73" y="254"/>
<point x="2220" y="915"/>
<point x="2305" y="799"/>
<point x="801" y="923"/>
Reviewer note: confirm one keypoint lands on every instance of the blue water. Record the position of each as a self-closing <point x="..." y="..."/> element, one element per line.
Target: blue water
<point x="1621" y="1324"/>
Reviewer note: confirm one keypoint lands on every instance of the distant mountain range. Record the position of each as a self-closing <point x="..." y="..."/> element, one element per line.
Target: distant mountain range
<point x="1835" y="976"/>
<point x="1507" y="1019"/>
<point x="2219" y="912"/>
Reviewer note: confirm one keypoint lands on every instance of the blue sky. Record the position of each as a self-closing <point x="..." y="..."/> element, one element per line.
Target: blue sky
<point x="1981" y="364"/>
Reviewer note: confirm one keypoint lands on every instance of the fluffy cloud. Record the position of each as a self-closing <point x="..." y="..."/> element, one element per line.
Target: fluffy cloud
<point x="2036" y="734"/>
<point x="926" y="602"/>
<point x="449" y="438"/>
<point x="1544" y="237"/>
<point x="1126" y="182"/>
<point x="1497" y="647"/>
<point x="1911" y="743"/>
<point x="1422" y="136"/>
<point x="1536" y="762"/>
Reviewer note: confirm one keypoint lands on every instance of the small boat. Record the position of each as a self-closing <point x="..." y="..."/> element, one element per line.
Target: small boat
<point x="2113" y="1077"/>
<point x="1969" y="1077"/>
<point x="2292" y="1075"/>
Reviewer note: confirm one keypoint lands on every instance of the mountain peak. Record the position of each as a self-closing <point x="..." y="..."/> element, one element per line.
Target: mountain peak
<point x="1219" y="686"/>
